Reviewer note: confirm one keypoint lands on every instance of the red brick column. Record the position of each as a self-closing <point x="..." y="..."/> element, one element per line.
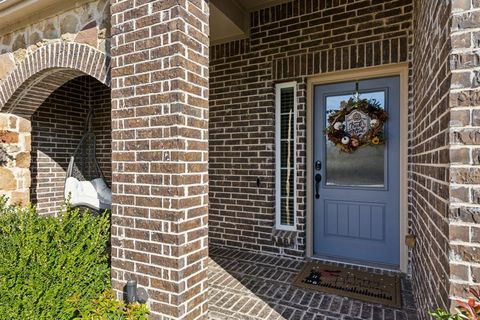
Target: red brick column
<point x="160" y="152"/>
<point x="446" y="153"/>
<point x="429" y="149"/>
<point x="464" y="173"/>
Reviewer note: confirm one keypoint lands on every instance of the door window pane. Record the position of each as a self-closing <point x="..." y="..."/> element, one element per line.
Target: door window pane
<point x="364" y="167"/>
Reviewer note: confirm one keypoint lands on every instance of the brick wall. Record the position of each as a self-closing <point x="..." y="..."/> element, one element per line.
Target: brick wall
<point x="160" y="153"/>
<point x="57" y="127"/>
<point x="287" y="42"/>
<point x="464" y="149"/>
<point x="430" y="154"/>
<point x="101" y="101"/>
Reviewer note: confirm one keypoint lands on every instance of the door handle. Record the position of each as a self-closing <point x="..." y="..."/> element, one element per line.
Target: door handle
<point x="318" y="178"/>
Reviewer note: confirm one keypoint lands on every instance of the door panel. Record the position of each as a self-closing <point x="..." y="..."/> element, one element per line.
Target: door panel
<point x="356" y="216"/>
<point x="355" y="220"/>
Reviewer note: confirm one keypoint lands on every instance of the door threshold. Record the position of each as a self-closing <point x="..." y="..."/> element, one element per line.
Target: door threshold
<point x="358" y="265"/>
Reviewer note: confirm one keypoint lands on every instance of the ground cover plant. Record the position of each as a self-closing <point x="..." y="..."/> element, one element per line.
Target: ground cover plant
<point x="57" y="267"/>
<point x="469" y="310"/>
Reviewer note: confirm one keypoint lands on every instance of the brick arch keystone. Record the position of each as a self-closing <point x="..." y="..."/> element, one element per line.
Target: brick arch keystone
<point x="47" y="69"/>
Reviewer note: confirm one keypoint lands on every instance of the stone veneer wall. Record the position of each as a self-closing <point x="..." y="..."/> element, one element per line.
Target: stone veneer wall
<point x="291" y="41"/>
<point x="57" y="127"/>
<point x="430" y="154"/>
<point x="15" y="149"/>
<point x="88" y="23"/>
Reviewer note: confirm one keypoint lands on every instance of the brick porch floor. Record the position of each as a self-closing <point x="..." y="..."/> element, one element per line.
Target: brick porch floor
<point x="255" y="286"/>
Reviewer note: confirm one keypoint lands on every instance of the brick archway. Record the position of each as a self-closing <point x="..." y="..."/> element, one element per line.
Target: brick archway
<point x="45" y="70"/>
<point x="23" y="91"/>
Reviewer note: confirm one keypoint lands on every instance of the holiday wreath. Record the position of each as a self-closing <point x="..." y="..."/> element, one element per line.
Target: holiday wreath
<point x="358" y="122"/>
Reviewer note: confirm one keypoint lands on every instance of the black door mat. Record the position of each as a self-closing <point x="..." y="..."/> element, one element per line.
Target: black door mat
<point x="356" y="284"/>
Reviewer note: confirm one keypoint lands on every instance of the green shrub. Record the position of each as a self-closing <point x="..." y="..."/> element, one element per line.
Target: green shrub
<point x="106" y="307"/>
<point x="45" y="262"/>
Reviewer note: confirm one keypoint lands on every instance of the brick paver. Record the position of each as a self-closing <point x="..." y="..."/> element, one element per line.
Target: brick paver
<point x="257" y="286"/>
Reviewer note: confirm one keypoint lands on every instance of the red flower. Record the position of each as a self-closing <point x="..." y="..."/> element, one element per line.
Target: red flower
<point x="471" y="302"/>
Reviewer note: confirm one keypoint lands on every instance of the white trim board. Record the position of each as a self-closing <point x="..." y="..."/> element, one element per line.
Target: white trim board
<point x="278" y="88"/>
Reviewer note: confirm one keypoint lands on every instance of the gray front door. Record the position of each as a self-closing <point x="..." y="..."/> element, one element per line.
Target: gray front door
<point x="356" y="195"/>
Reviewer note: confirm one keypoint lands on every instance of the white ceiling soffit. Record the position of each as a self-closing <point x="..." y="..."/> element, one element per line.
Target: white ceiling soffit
<point x="223" y="28"/>
<point x="230" y="19"/>
<point x="252" y="5"/>
<point x="7" y="3"/>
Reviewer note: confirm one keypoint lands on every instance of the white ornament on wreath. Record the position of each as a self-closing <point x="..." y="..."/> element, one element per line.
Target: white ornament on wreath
<point x="338" y="125"/>
<point x="345" y="140"/>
